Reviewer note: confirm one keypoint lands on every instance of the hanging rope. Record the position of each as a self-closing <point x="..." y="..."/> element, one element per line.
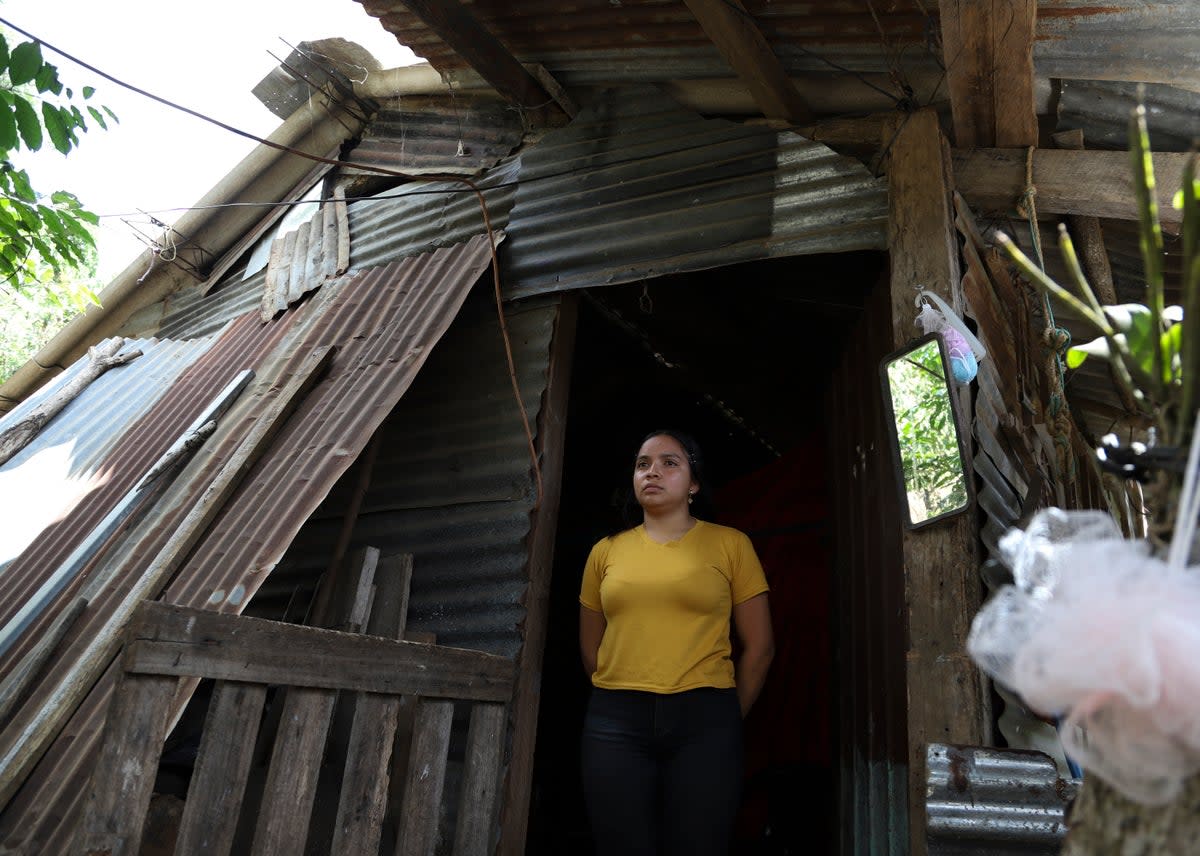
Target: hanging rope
<point x="1056" y="339"/>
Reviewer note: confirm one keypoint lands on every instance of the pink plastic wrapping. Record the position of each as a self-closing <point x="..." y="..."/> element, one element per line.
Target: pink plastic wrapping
<point x="1100" y="632"/>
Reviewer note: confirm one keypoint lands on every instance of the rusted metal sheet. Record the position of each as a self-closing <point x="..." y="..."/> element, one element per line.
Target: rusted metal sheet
<point x="460" y="134"/>
<point x="451" y="486"/>
<point x="637" y="187"/>
<point x="304" y="258"/>
<point x="994" y="801"/>
<point x="164" y="405"/>
<point x="384" y="322"/>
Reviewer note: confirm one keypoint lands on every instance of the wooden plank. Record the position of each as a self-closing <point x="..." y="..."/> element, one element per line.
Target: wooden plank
<point x="426" y="777"/>
<point x="367" y="777"/>
<point x="551" y="435"/>
<point x="119" y="793"/>
<point x="479" y="48"/>
<point x="740" y="42"/>
<point x="292" y="777"/>
<point x="1092" y="183"/>
<point x="477" y="798"/>
<point x="175" y="640"/>
<point x="987" y="48"/>
<point x="23" y="746"/>
<point x="402" y="746"/>
<point x="214" y="799"/>
<point x="941" y="581"/>
<point x="299" y="735"/>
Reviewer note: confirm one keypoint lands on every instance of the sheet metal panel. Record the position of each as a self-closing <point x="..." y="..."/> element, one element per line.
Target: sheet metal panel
<point x="637" y="187"/>
<point x="385" y="322"/>
<point x="451" y="485"/>
<point x="1100" y="108"/>
<point x="461" y="134"/>
<point x="994" y="801"/>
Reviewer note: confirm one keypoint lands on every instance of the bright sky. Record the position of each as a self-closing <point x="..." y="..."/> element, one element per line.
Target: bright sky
<point x="206" y="56"/>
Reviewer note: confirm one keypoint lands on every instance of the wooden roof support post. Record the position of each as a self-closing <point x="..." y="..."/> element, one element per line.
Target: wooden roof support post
<point x="987" y="47"/>
<point x="941" y="573"/>
<point x="475" y="43"/>
<point x="731" y="28"/>
<point x="551" y="434"/>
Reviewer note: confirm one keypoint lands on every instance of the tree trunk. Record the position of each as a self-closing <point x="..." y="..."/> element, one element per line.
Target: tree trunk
<point x="1103" y="822"/>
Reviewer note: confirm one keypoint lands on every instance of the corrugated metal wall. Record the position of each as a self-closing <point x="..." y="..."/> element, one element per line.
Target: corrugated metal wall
<point x="868" y="604"/>
<point x="451" y="485"/>
<point x="637" y="187"/>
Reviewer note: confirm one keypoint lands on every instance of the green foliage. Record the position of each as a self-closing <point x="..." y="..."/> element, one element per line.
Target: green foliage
<point x="29" y="318"/>
<point x="39" y="232"/>
<point x="1154" y="349"/>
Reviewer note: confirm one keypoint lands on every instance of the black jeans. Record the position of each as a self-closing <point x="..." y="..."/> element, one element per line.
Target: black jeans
<point x="662" y="774"/>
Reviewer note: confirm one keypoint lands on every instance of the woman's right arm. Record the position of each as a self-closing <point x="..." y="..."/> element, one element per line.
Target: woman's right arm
<point x="591" y="631"/>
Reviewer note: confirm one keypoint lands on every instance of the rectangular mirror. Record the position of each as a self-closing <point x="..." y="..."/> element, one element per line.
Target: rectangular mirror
<point x="922" y="421"/>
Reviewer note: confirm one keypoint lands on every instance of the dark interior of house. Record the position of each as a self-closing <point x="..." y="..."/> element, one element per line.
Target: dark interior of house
<point x="740" y="358"/>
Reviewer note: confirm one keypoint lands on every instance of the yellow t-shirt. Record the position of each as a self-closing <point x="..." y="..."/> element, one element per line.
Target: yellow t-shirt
<point x="667" y="606"/>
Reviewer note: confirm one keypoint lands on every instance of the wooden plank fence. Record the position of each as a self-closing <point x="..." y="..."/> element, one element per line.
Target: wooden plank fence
<point x="247" y="655"/>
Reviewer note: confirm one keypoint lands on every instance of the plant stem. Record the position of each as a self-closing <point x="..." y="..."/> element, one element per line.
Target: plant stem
<point x="1150" y="237"/>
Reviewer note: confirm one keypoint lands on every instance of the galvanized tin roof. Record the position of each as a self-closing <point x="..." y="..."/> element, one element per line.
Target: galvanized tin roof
<point x="637" y="187"/>
<point x="1100" y="108"/>
<point x="385" y="323"/>
<point x="460" y="134"/>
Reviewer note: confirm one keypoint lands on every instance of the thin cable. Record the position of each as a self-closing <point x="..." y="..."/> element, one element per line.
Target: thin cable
<point x="487" y="220"/>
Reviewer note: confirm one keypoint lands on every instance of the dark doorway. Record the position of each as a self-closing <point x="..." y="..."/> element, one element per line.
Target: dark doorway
<point x="740" y="358"/>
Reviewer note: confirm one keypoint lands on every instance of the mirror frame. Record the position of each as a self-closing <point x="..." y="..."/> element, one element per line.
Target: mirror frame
<point x="889" y="415"/>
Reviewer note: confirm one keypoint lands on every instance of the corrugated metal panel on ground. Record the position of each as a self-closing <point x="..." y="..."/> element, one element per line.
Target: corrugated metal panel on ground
<point x="994" y="801"/>
<point x="451" y="485"/>
<point x="385" y="322"/>
<point x="460" y="134"/>
<point x="637" y="187"/>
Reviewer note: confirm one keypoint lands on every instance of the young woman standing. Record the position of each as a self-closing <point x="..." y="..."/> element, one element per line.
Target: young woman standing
<point x="662" y="741"/>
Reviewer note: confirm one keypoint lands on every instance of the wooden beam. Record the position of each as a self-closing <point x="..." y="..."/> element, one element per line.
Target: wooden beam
<point x="987" y="48"/>
<point x="182" y="641"/>
<point x="551" y="436"/>
<point x="732" y="29"/>
<point x="941" y="578"/>
<point x="456" y="26"/>
<point x="1091" y="183"/>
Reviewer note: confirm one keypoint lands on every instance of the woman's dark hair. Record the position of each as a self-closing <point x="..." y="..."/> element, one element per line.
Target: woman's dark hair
<point x="702" y="504"/>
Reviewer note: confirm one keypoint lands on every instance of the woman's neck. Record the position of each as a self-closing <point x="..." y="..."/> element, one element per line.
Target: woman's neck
<point x="669" y="526"/>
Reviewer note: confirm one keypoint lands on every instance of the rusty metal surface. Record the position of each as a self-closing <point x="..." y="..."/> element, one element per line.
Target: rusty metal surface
<point x="461" y="134"/>
<point x="637" y="187"/>
<point x="385" y="322"/>
<point x="451" y="485"/>
<point x="164" y="405"/>
<point x="994" y="801"/>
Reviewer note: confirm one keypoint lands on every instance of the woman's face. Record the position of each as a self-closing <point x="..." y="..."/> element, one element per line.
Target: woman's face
<point x="662" y="477"/>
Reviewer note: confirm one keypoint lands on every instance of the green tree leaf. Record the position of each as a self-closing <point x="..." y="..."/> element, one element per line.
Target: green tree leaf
<point x="88" y="92"/>
<point x="8" y="127"/>
<point x="25" y="63"/>
<point x="3" y="51"/>
<point x="28" y="123"/>
<point x="55" y="128"/>
<point x="47" y="80"/>
<point x="98" y="117"/>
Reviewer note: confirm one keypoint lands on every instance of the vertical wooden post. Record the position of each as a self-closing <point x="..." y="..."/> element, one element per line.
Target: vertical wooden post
<point x="551" y="432"/>
<point x="941" y="580"/>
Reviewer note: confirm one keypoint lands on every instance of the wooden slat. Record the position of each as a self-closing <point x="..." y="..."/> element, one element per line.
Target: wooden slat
<point x="457" y="27"/>
<point x="181" y="641"/>
<point x="551" y="434"/>
<point x="1092" y="183"/>
<point x="477" y="799"/>
<point x="214" y="800"/>
<point x="731" y="28"/>
<point x="119" y="794"/>
<point x="941" y="582"/>
<point x="402" y="745"/>
<point x="365" y="783"/>
<point x="426" y="777"/>
<point x="292" y="778"/>
<point x="987" y="48"/>
<point x="302" y="728"/>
